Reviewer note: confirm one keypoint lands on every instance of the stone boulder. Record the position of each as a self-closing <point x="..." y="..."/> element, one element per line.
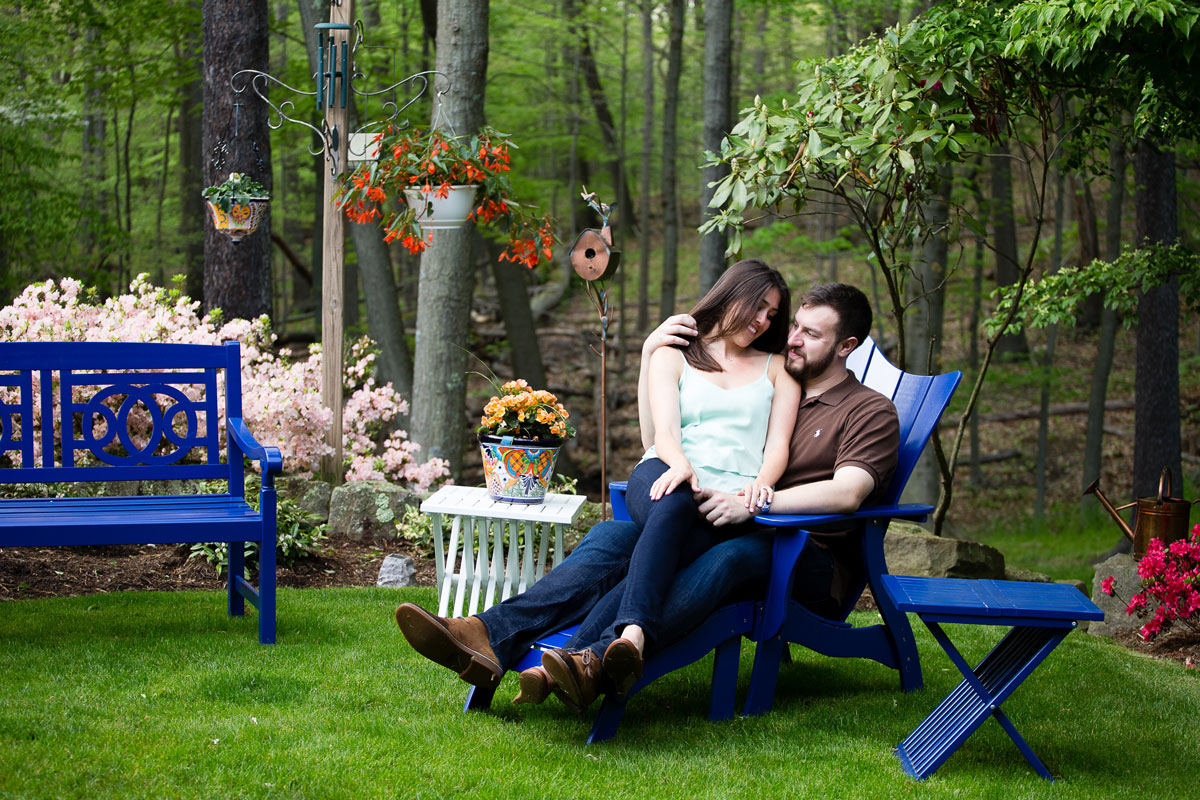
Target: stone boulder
<point x="368" y="510"/>
<point x="311" y="495"/>
<point x="396" y="572"/>
<point x="1126" y="584"/>
<point x="910" y="550"/>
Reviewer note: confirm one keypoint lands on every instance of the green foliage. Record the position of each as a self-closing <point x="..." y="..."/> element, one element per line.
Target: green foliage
<point x="417" y="529"/>
<point x="296" y="538"/>
<point x="1118" y="55"/>
<point x="1054" y="300"/>
<point x="869" y="127"/>
<point x="236" y="190"/>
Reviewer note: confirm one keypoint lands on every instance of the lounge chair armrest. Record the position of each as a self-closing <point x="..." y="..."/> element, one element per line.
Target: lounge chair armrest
<point x="791" y="540"/>
<point x="272" y="460"/>
<point x="909" y="511"/>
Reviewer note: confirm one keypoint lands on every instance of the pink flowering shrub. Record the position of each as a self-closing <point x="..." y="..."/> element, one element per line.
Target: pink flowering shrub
<point x="1171" y="578"/>
<point x="281" y="400"/>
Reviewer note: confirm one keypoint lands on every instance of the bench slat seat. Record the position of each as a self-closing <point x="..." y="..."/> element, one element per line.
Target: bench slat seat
<point x="74" y="412"/>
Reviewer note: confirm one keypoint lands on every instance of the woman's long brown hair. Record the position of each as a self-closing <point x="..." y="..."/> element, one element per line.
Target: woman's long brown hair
<point x="731" y="304"/>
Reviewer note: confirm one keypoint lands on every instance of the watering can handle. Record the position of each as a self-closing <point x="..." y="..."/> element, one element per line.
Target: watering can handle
<point x="1164" y="476"/>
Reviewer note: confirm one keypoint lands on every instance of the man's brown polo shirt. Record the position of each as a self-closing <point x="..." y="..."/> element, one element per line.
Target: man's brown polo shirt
<point x="847" y="425"/>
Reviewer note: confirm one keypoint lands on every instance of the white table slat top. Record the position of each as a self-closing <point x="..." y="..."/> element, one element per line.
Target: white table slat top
<point x="473" y="501"/>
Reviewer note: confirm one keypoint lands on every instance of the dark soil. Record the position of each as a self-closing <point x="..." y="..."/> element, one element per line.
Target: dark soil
<point x="67" y="571"/>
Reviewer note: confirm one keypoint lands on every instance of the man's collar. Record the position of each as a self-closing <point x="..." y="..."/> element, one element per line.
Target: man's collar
<point x="836" y="394"/>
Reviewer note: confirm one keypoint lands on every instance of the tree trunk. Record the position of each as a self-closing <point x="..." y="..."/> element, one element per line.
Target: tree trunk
<point x="1084" y="204"/>
<point x="237" y="277"/>
<point x="1004" y="225"/>
<point x="1093" y="446"/>
<point x="384" y="321"/>
<point x="92" y="164"/>
<point x="1047" y="366"/>
<point x="608" y="126"/>
<point x="670" y="198"/>
<point x="924" y="326"/>
<point x="447" y="267"/>
<point x="193" y="216"/>
<point x="1156" y="424"/>
<point x="718" y="49"/>
<point x="648" y="109"/>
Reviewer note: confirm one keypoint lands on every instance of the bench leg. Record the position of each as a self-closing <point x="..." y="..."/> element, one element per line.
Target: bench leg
<point x="237" y="567"/>
<point x="768" y="657"/>
<point x="608" y="719"/>
<point x="266" y="592"/>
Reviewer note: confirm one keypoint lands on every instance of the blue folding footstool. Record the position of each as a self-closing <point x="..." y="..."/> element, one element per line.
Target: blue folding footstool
<point x="1041" y="615"/>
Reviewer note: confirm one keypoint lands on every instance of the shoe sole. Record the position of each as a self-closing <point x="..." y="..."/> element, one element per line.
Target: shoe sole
<point x="623" y="664"/>
<point x="535" y="689"/>
<point x="566" y="688"/>
<point x="433" y="640"/>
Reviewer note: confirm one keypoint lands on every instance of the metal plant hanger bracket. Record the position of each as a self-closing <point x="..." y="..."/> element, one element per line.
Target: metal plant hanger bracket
<point x="334" y="82"/>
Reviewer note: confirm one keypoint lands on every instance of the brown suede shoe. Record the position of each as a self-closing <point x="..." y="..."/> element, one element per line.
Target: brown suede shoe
<point x="536" y="686"/>
<point x="460" y="644"/>
<point x="577" y="675"/>
<point x="623" y="663"/>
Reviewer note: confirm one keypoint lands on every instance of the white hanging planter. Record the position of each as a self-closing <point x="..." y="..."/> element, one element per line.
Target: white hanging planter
<point x="442" y="213"/>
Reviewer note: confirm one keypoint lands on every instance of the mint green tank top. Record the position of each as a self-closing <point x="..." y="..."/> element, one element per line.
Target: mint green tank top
<point x="723" y="431"/>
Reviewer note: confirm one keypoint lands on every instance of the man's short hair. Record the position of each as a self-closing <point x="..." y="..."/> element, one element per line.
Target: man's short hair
<point x="851" y="305"/>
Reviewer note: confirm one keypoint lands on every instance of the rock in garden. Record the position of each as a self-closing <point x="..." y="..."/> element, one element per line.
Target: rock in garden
<point x="396" y="572"/>
<point x="311" y="495"/>
<point x="368" y="510"/>
<point x="1126" y="583"/>
<point x="915" y="552"/>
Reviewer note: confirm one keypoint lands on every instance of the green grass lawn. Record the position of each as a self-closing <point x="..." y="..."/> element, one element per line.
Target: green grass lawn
<point x="162" y="695"/>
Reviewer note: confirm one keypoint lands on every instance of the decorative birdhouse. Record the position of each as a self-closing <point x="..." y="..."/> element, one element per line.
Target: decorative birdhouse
<point x="592" y="255"/>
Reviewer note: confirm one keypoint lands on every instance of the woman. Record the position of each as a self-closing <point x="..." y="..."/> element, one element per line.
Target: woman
<point x="723" y="410"/>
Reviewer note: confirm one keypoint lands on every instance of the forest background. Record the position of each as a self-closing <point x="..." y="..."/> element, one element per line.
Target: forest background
<point x="116" y="114"/>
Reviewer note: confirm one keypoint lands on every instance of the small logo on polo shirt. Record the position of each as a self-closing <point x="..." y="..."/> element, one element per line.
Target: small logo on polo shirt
<point x="818" y="433"/>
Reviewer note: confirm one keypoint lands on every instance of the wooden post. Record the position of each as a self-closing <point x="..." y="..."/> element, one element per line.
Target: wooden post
<point x="334" y="231"/>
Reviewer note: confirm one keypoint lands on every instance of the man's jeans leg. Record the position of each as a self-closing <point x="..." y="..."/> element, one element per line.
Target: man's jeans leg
<point x="565" y="595"/>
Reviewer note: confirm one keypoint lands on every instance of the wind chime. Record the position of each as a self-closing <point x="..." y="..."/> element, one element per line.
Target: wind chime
<point x="595" y="261"/>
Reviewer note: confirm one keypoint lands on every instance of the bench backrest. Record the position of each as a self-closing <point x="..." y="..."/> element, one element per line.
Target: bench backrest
<point x="919" y="400"/>
<point x="111" y="411"/>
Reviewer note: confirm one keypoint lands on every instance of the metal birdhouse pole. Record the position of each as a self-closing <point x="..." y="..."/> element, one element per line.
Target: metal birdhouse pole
<point x="595" y="261"/>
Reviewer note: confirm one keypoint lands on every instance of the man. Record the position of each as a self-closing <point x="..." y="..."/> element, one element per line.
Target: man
<point x="842" y="454"/>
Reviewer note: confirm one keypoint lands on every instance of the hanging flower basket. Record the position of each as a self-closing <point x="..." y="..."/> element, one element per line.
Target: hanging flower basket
<point x="518" y="470"/>
<point x="437" y="212"/>
<point x="237" y="205"/>
<point x="241" y="220"/>
<point x="420" y="167"/>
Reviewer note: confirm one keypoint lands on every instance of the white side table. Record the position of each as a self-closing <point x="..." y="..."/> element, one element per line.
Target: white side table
<point x="473" y="563"/>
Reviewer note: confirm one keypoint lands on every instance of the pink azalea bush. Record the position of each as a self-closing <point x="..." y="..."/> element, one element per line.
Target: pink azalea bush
<point x="281" y="399"/>
<point x="1171" y="578"/>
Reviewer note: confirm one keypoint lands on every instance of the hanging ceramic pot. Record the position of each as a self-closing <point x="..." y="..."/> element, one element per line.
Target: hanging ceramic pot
<point x="442" y="213"/>
<point x="518" y="470"/>
<point x="241" y="220"/>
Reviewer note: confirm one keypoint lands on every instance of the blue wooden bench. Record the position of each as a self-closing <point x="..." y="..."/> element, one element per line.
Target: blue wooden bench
<point x="776" y="620"/>
<point x="1041" y="615"/>
<point x="117" y="411"/>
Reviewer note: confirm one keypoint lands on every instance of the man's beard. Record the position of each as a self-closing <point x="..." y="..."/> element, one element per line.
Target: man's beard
<point x="811" y="369"/>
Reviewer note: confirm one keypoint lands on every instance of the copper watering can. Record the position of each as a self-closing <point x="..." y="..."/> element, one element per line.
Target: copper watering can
<point x="1163" y="517"/>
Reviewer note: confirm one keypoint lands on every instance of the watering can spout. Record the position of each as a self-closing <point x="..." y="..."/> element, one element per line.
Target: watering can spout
<point x="1094" y="488"/>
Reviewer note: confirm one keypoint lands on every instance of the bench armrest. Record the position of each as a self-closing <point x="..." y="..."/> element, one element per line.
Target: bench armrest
<point x="272" y="460"/>
<point x="791" y="540"/>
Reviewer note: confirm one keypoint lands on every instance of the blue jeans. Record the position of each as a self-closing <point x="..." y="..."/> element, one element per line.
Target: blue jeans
<point x="565" y="595"/>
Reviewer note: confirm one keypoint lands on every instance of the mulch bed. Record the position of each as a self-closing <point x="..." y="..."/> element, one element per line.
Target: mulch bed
<point x="68" y="571"/>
